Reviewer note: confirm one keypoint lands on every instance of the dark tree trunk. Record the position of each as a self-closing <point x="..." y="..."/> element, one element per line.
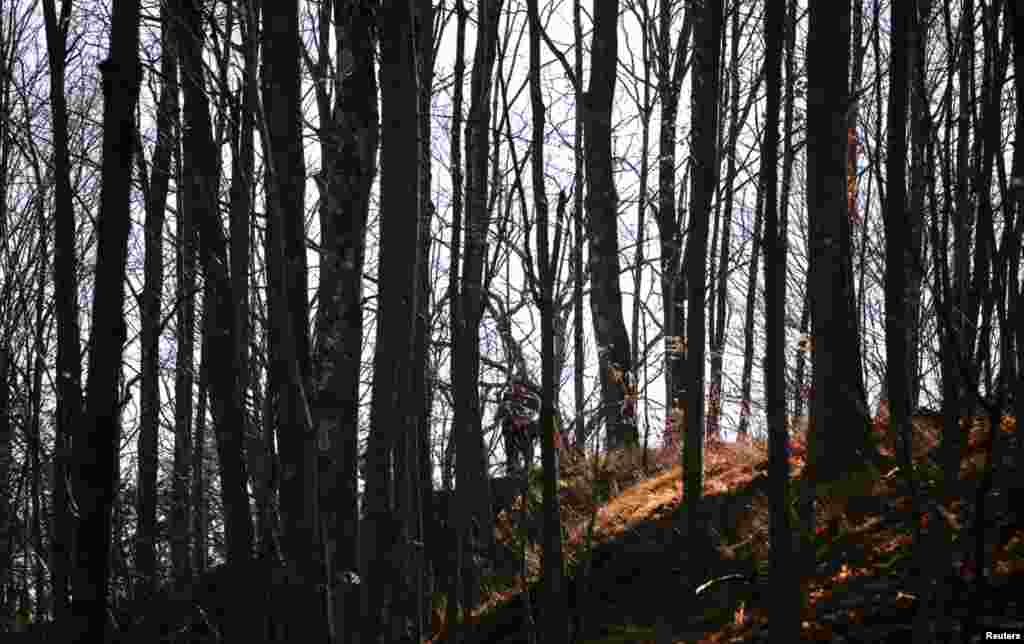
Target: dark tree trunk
<point x="786" y="600"/>
<point x="555" y="616"/>
<point x="242" y="127"/>
<point x="149" y="310"/>
<point x="1015" y="18"/>
<point x="742" y="432"/>
<point x="615" y="362"/>
<point x="919" y="140"/>
<point x="184" y="378"/>
<point x="65" y="287"/>
<point x="95" y="456"/>
<point x="349" y="157"/>
<point x="392" y="421"/>
<point x="6" y="516"/>
<point x="199" y="505"/>
<point x="704" y="110"/>
<point x="720" y="294"/>
<point x="577" y="228"/>
<point x="839" y="440"/>
<point x="668" y="218"/>
<point x="200" y="190"/>
<point x="471" y="483"/>
<point x="456" y="322"/>
<point x="289" y="329"/>
<point x="421" y="387"/>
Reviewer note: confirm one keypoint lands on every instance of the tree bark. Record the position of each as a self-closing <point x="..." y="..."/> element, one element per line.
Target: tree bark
<point x="149" y="311"/>
<point x="473" y="504"/>
<point x="65" y="285"/>
<point x="615" y="362"/>
<point x="94" y="451"/>
<point x="669" y="220"/>
<point x="786" y="601"/>
<point x="704" y="111"/>
<point x="392" y="422"/>
<point x="200" y="189"/>
<point x="421" y="387"/>
<point x="350" y="134"/>
<point x="555" y="616"/>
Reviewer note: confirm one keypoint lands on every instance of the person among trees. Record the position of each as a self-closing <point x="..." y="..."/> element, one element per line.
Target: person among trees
<point x="519" y="414"/>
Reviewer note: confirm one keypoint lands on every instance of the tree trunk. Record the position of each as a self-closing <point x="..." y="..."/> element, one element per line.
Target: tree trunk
<point x="242" y="126"/>
<point x="149" y="311"/>
<point x="473" y="504"/>
<point x="577" y="222"/>
<point x="704" y="111"/>
<point x="65" y="287"/>
<point x="6" y="515"/>
<point x="349" y="162"/>
<point x="184" y="377"/>
<point x="786" y="601"/>
<point x="456" y="321"/>
<point x="281" y="131"/>
<point x="219" y="332"/>
<point x="555" y="617"/>
<point x="421" y="387"/>
<point x="392" y="422"/>
<point x="602" y="206"/>
<point x="839" y="428"/>
<point x="94" y="489"/>
<point x="742" y="432"/>
<point x="717" y="328"/>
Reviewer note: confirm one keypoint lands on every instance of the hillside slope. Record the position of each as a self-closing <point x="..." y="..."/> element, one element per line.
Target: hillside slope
<point x="636" y="583"/>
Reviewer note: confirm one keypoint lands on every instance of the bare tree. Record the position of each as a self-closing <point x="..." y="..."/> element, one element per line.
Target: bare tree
<point x="392" y="423"/>
<point x="155" y="189"/>
<point x="615" y="362"/>
<point x="349" y="137"/>
<point x="200" y="190"/>
<point x="94" y="447"/>
<point x="471" y="475"/>
<point x="69" y="364"/>
<point x="555" y="628"/>
<point x="785" y="605"/>
<point x="704" y="110"/>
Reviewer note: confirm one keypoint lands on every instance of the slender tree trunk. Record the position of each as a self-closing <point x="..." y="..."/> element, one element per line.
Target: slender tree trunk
<point x="184" y="377"/>
<point x="34" y="446"/>
<point x="65" y="285"/>
<point x="457" y="322"/>
<point x="349" y="159"/>
<point x="199" y="165"/>
<point x="704" y="110"/>
<point x="281" y="130"/>
<point x="786" y="601"/>
<point x="199" y="503"/>
<point x="742" y="431"/>
<point x="422" y="385"/>
<point x="1015" y="17"/>
<point x="577" y="222"/>
<point x="392" y="422"/>
<point x="471" y="482"/>
<point x="717" y="328"/>
<point x="919" y="137"/>
<point x="788" y="158"/>
<point x="150" y="314"/>
<point x="555" y="616"/>
<point x="95" y="458"/>
<point x="6" y="515"/>
<point x="242" y="126"/>
<point x="615" y="362"/>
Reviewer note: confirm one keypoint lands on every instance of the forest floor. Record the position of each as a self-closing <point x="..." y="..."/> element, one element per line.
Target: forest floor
<point x="633" y="573"/>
